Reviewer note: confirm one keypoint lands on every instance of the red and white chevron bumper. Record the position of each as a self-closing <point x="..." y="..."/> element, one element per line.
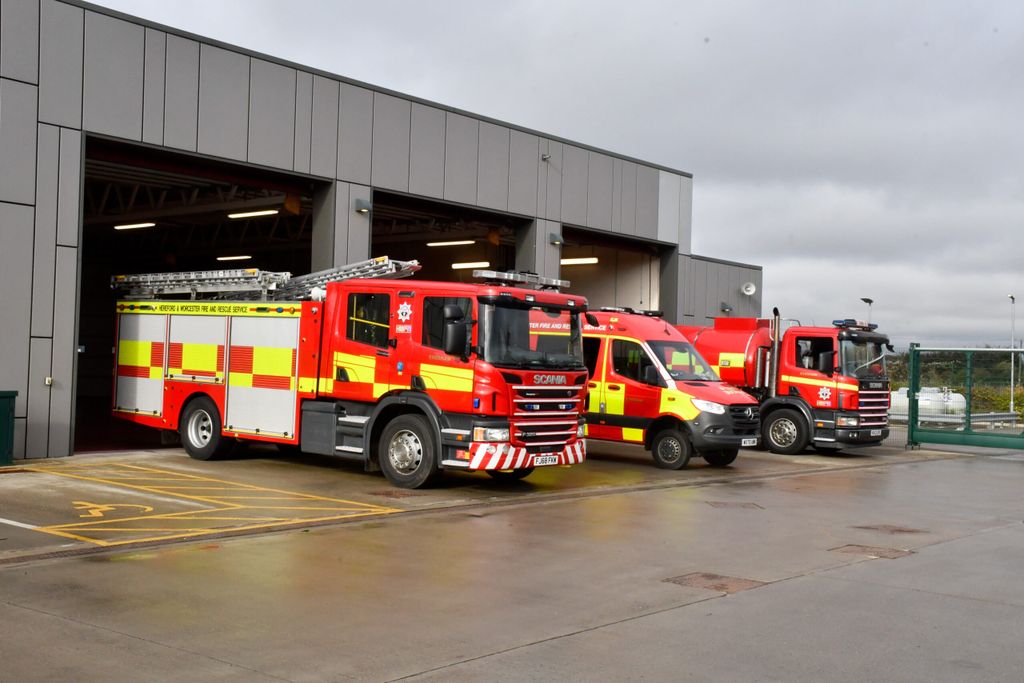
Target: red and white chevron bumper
<point x="505" y="456"/>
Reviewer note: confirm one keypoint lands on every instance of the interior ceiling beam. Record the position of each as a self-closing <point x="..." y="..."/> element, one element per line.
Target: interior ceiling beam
<point x="272" y="201"/>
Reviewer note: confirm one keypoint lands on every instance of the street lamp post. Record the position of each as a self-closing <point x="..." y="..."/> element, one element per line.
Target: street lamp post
<point x="1013" y="306"/>
<point x="868" y="302"/>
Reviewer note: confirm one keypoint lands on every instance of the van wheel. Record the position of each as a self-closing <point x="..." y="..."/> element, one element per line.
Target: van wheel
<point x="721" y="458"/>
<point x="785" y="432"/>
<point x="510" y="475"/>
<point x="671" y="449"/>
<point x="200" y="430"/>
<point x="407" y="453"/>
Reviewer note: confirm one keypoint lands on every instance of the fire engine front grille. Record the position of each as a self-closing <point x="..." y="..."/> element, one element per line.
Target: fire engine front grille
<point x="745" y="419"/>
<point x="873" y="405"/>
<point x="545" y="418"/>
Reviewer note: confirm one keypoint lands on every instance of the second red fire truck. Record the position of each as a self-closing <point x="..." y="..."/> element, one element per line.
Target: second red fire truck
<point x="821" y="386"/>
<point x="407" y="377"/>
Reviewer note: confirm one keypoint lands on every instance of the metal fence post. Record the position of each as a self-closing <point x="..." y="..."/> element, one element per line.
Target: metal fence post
<point x="914" y="386"/>
<point x="970" y="382"/>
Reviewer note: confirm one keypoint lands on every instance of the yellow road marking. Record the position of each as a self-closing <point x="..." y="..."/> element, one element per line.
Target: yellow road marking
<point x="120" y="474"/>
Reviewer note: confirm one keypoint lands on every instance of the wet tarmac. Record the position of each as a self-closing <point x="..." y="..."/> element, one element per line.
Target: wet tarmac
<point x="774" y="569"/>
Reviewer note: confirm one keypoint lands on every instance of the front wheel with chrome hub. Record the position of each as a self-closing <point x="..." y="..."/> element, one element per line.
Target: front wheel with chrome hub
<point x="785" y="431"/>
<point x="407" y="452"/>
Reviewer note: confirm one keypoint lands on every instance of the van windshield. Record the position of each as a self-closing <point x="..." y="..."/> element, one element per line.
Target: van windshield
<point x="682" y="361"/>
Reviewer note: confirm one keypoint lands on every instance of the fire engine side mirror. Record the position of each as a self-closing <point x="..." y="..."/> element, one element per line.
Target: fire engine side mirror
<point x="455" y="337"/>
<point x="826" y="362"/>
<point x="452" y="312"/>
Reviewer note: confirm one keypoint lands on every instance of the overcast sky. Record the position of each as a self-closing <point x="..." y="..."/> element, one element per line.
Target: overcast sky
<point x="853" y="149"/>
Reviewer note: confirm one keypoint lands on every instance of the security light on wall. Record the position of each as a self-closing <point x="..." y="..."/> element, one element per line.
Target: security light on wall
<point x="555" y="239"/>
<point x="363" y="206"/>
<point x="725" y="308"/>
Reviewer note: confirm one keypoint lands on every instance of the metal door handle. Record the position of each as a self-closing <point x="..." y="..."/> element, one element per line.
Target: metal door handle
<point x="614" y="387"/>
<point x="592" y="385"/>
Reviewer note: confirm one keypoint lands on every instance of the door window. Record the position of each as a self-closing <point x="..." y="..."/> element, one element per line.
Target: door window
<point x="433" y="317"/>
<point x="368" y="319"/>
<point x="809" y="351"/>
<point x="591" y="351"/>
<point x="629" y="359"/>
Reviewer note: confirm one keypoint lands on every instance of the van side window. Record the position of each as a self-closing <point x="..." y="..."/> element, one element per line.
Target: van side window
<point x="368" y="319"/>
<point x="433" y="317"/>
<point x="629" y="359"/>
<point x="591" y="349"/>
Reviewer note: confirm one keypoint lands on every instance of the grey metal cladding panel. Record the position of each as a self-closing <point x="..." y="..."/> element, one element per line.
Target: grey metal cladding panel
<point x="271" y="114"/>
<point x="355" y="133"/>
<point x="358" y="225"/>
<point x="153" y="87"/>
<point x="647" y="202"/>
<point x="181" y="93"/>
<point x="17" y="142"/>
<point x="61" y="29"/>
<point x="303" y="120"/>
<point x="461" y="145"/>
<point x="15" y="305"/>
<point x="616" y="195"/>
<point x="492" y="167"/>
<point x="44" y="254"/>
<point x="574" y="185"/>
<point x="38" y="403"/>
<point x="685" y="215"/>
<point x="114" y="74"/>
<point x="342" y="213"/>
<point x="62" y="396"/>
<point x="69" y="188"/>
<point x="223" y="102"/>
<point x="628" y="198"/>
<point x="552" y="184"/>
<point x="19" y="40"/>
<point x="389" y="164"/>
<point x="426" y="151"/>
<point x="600" y="182"/>
<point x="20" y="426"/>
<point x="323" y="160"/>
<point x="524" y="157"/>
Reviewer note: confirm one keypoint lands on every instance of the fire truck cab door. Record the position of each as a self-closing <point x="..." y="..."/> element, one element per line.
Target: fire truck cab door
<point x="807" y="357"/>
<point x="630" y="402"/>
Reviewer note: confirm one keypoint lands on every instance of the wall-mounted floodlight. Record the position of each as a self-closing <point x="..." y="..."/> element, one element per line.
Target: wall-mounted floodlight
<point x="555" y="239"/>
<point x="725" y="307"/>
<point x="363" y="206"/>
<point x="545" y="157"/>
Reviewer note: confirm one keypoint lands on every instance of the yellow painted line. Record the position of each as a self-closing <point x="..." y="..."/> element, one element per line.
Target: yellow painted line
<point x="115" y="474"/>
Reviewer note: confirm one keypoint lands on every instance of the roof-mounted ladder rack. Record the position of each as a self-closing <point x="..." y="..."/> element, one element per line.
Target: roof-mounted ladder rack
<point x="252" y="283"/>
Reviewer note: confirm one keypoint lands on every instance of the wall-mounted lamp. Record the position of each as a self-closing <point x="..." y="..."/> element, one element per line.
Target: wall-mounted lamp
<point x="363" y="206"/>
<point x="555" y="239"/>
<point x="545" y="157"/>
<point x="725" y="308"/>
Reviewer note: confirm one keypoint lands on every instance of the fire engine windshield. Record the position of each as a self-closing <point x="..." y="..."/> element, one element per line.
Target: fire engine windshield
<point x="682" y="361"/>
<point x="520" y="335"/>
<point x="863" y="360"/>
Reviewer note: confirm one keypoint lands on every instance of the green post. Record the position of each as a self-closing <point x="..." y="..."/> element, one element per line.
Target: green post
<point x="914" y="382"/>
<point x="7" y="426"/>
<point x="970" y="383"/>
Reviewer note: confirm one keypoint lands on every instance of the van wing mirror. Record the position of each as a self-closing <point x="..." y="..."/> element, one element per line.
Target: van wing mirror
<point x="591" y="319"/>
<point x="652" y="376"/>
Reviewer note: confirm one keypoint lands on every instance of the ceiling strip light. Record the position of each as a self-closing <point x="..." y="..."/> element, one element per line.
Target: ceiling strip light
<point x="471" y="264"/>
<point x="233" y="258"/>
<point x="134" y="226"/>
<point x="253" y="214"/>
<point x="582" y="261"/>
<point x="453" y="243"/>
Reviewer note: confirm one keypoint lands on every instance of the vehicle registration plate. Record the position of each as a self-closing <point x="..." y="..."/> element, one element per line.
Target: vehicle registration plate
<point x="876" y="432"/>
<point x="539" y="460"/>
<point x="748" y="442"/>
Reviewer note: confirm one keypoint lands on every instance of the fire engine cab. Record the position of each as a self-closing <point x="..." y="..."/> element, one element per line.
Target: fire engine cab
<point x="648" y="385"/>
<point x="408" y="377"/>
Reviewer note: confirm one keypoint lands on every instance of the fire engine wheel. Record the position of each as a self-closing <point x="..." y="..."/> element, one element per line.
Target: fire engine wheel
<point x="511" y="475"/>
<point x="721" y="458"/>
<point x="407" y="454"/>
<point x="200" y="430"/>
<point x="671" y="449"/>
<point x="785" y="431"/>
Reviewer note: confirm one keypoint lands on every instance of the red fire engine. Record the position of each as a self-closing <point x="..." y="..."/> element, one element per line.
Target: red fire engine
<point x="408" y="377"/>
<point x="823" y="386"/>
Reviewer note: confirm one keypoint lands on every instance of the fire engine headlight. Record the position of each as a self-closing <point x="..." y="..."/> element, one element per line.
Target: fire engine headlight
<point x="490" y="434"/>
<point x="581" y="431"/>
<point x="847" y="421"/>
<point x="708" y="406"/>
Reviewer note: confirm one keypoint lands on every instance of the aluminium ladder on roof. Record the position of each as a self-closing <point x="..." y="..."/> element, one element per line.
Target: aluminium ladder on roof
<point x="252" y="283"/>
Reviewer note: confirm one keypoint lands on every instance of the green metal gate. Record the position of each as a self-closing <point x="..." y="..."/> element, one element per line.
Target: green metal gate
<point x="964" y="397"/>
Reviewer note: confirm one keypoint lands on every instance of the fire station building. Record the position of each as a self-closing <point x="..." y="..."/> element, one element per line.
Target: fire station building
<point x="130" y="147"/>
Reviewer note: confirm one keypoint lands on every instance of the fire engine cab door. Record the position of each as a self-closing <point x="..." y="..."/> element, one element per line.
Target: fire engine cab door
<point x="630" y="403"/>
<point x="808" y="355"/>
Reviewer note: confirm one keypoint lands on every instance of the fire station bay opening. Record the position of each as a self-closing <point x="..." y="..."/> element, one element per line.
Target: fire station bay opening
<point x="148" y="210"/>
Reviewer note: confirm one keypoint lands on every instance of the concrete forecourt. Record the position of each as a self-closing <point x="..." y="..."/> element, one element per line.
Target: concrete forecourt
<point x="881" y="564"/>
